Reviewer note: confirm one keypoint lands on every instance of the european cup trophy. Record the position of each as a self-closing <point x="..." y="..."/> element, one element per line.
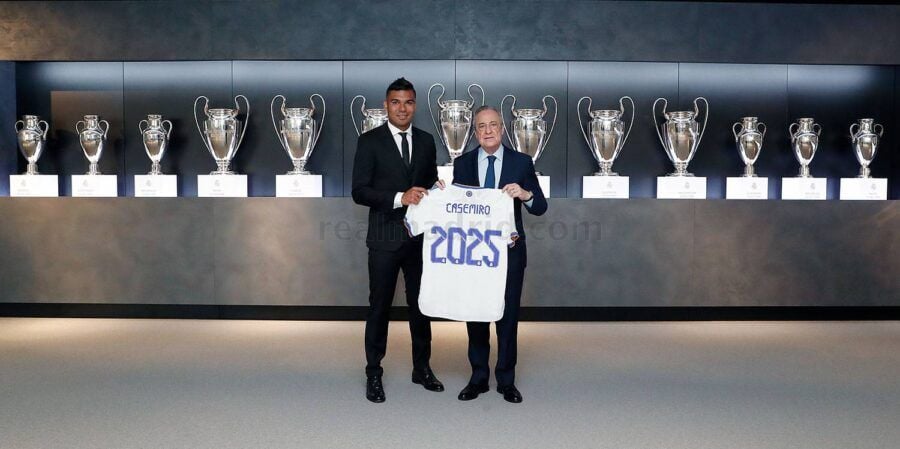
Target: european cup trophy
<point x="92" y="136"/>
<point x="804" y="141"/>
<point x="222" y="132"/>
<point x="298" y="132"/>
<point x="529" y="129"/>
<point x="680" y="134"/>
<point x="456" y="120"/>
<point x="749" y="134"/>
<point x="32" y="136"/>
<point x="608" y="133"/>
<point x="865" y="142"/>
<point x="371" y="118"/>
<point x="155" y="133"/>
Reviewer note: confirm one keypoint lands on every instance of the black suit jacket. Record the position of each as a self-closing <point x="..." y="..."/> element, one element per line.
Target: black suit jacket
<point x="517" y="168"/>
<point x="379" y="173"/>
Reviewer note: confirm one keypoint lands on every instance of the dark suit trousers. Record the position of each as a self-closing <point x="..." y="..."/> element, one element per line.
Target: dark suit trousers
<point x="507" y="329"/>
<point x="384" y="267"/>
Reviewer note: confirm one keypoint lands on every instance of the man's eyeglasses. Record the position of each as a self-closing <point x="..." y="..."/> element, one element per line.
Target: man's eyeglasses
<point x="482" y="127"/>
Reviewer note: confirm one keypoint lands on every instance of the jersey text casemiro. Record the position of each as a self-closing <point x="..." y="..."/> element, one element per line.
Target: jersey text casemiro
<point x="467" y="231"/>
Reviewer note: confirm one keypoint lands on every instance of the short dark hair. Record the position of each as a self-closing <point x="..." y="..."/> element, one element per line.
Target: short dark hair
<point x="400" y="84"/>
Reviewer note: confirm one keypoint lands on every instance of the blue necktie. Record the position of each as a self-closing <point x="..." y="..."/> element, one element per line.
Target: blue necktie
<point x="489" y="180"/>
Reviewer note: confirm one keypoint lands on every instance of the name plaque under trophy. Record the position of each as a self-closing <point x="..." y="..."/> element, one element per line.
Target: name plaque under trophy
<point x="530" y="134"/>
<point x="371" y="118"/>
<point x="31" y="133"/>
<point x="298" y="135"/>
<point x="805" y="135"/>
<point x="680" y="135"/>
<point x="865" y="138"/>
<point x="748" y="135"/>
<point x="222" y="133"/>
<point x="155" y="134"/>
<point x="608" y="135"/>
<point x="92" y="134"/>
<point x="455" y="117"/>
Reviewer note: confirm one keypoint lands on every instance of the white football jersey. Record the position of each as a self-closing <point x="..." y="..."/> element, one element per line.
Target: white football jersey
<point x="467" y="232"/>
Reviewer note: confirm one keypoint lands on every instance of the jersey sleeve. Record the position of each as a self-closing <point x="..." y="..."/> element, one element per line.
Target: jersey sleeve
<point x="510" y="216"/>
<point x="413" y="218"/>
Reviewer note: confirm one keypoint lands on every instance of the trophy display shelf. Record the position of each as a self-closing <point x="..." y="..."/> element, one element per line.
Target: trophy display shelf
<point x="746" y="188"/>
<point x="612" y="187"/>
<point x="864" y="189"/>
<point x="298" y="186"/>
<point x="804" y="188"/>
<point x="445" y="172"/>
<point x="156" y="186"/>
<point x="95" y="186"/>
<point x="34" y="185"/>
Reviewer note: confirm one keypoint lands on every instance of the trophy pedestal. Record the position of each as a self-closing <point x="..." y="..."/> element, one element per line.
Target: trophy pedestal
<point x="298" y="186"/>
<point x="804" y="188"/>
<point x="605" y="187"/>
<point x="544" y="182"/>
<point x="681" y="187"/>
<point x="445" y="172"/>
<point x="864" y="188"/>
<point x="33" y="185"/>
<point x="228" y="186"/>
<point x="162" y="186"/>
<point x="744" y="188"/>
<point x="104" y="186"/>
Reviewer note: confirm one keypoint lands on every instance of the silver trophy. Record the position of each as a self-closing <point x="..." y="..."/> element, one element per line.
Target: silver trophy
<point x="865" y="142"/>
<point x="372" y="118"/>
<point x="32" y="140"/>
<point x="607" y="133"/>
<point x="155" y="135"/>
<point x="92" y="136"/>
<point x="298" y="133"/>
<point x="680" y="134"/>
<point x="529" y="129"/>
<point x="222" y="132"/>
<point x="805" y="140"/>
<point x="456" y="120"/>
<point x="749" y="134"/>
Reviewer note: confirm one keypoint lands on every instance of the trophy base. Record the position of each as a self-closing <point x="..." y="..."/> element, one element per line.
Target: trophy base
<point x="297" y="172"/>
<point x="605" y="186"/>
<point x="34" y="185"/>
<point x="95" y="185"/>
<point x="221" y="173"/>
<point x="746" y="188"/>
<point x="864" y="173"/>
<point x="749" y="172"/>
<point x="156" y="185"/>
<point x="31" y="170"/>
<point x="873" y="189"/>
<point x="298" y="186"/>
<point x="445" y="172"/>
<point x="93" y="170"/>
<point x="804" y="188"/>
<point x="681" y="187"/>
<point x="677" y="174"/>
<point x="804" y="172"/>
<point x="218" y="185"/>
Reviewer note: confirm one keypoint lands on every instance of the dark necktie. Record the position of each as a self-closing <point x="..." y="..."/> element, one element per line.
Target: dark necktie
<point x="489" y="179"/>
<point x="404" y="149"/>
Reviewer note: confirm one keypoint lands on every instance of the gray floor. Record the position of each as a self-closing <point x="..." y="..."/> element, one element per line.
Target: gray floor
<point x="81" y="383"/>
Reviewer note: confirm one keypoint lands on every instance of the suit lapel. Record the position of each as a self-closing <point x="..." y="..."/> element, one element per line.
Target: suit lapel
<point x="391" y="144"/>
<point x="507" y="169"/>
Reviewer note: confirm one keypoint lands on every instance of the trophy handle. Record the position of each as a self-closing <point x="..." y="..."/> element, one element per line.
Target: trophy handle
<point x="853" y="133"/>
<point x="141" y="126"/>
<point x="503" y="116"/>
<point x="105" y="130"/>
<point x="736" y="129"/>
<point x="168" y="131"/>
<point x="272" y="112"/>
<point x="705" y="117"/>
<point x="656" y="122"/>
<point x="431" y="111"/>
<point x="817" y="128"/>
<point x="469" y="91"/>
<point x="321" y="120"/>
<point x="761" y="127"/>
<point x="555" y="114"/>
<point x="631" y="123"/>
<point x="246" y="118"/>
<point x="17" y="125"/>
<point x="581" y="122"/>
<point x="81" y="128"/>
<point x="197" y="120"/>
<point x="791" y="129"/>
<point x="877" y="128"/>
<point x="362" y="108"/>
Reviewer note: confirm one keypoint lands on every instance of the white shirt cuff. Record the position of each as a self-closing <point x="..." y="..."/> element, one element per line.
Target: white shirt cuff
<point x="397" y="202"/>
<point x="529" y="202"/>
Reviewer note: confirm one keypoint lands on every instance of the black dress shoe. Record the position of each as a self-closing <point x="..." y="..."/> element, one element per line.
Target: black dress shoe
<point x="374" y="389"/>
<point x="472" y="391"/>
<point x="426" y="379"/>
<point x="510" y="393"/>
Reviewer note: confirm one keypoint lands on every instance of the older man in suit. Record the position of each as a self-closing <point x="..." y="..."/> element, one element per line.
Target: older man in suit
<point x="393" y="168"/>
<point x="492" y="165"/>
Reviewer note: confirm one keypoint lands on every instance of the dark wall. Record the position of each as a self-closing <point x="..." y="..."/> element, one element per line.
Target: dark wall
<point x="8" y="145"/>
<point x="124" y="93"/>
<point x="574" y="30"/>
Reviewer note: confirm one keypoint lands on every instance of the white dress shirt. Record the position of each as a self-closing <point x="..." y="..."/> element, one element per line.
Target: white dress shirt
<point x="498" y="168"/>
<point x="395" y="133"/>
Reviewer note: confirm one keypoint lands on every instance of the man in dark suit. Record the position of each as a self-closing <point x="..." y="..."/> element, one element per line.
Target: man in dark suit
<point x="492" y="165"/>
<point x="394" y="166"/>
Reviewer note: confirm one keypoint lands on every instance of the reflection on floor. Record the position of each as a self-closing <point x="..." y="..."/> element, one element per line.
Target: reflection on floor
<point x="102" y="383"/>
